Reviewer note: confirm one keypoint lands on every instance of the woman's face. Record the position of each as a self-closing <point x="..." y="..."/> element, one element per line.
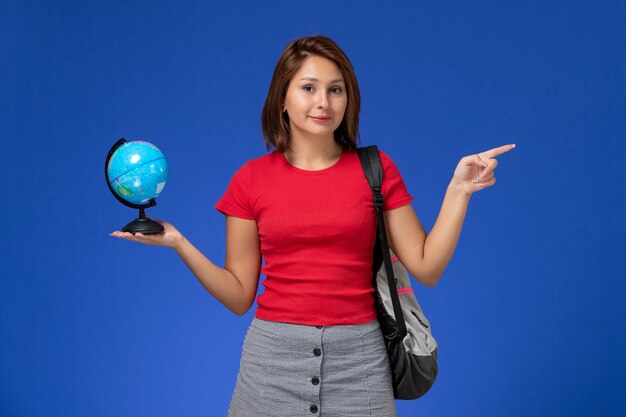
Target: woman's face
<point x="316" y="99"/>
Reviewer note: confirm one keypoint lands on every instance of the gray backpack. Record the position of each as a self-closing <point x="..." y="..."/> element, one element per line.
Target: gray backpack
<point x="408" y="338"/>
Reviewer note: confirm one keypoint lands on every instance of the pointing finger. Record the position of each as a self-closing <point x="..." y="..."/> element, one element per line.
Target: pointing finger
<point x="492" y="153"/>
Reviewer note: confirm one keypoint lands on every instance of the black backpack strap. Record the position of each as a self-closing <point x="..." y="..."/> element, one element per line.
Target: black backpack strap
<point x="373" y="170"/>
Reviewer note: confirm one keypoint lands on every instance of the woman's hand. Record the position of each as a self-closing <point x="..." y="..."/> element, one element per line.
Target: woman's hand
<point x="170" y="237"/>
<point x="475" y="172"/>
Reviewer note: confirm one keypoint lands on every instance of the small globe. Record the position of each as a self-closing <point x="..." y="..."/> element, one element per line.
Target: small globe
<point x="137" y="172"/>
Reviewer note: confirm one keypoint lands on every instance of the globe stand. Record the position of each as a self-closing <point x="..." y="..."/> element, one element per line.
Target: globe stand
<point x="143" y="225"/>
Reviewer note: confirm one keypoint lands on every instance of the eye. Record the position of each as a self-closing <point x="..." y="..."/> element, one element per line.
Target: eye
<point x="336" y="90"/>
<point x="308" y="88"/>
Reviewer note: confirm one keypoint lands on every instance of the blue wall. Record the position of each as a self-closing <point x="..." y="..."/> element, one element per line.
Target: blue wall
<point x="528" y="314"/>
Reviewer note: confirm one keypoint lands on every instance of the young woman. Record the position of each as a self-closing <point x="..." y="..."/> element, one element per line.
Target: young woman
<point x="314" y="346"/>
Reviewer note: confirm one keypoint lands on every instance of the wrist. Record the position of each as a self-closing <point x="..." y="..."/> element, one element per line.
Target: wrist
<point x="457" y="189"/>
<point x="180" y="244"/>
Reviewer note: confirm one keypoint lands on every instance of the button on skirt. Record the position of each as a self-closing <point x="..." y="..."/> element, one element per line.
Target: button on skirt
<point x="298" y="370"/>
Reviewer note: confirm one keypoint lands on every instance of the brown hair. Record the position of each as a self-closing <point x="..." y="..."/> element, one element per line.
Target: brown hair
<point x="275" y="122"/>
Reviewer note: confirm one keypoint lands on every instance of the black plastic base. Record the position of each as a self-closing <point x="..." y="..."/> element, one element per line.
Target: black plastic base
<point x="144" y="226"/>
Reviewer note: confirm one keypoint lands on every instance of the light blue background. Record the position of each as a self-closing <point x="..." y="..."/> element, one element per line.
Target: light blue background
<point x="529" y="314"/>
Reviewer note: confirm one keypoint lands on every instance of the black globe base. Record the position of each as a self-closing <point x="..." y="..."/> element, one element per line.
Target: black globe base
<point x="144" y="226"/>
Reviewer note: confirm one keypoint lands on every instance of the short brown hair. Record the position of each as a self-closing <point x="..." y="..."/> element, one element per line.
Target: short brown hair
<point x="275" y="122"/>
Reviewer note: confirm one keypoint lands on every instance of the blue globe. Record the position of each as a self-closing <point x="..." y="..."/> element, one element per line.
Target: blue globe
<point x="137" y="171"/>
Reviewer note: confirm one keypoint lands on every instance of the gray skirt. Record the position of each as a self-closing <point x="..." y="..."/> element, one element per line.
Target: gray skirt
<point x="298" y="370"/>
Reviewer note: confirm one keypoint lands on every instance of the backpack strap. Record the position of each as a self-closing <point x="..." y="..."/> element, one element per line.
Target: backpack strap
<point x="373" y="169"/>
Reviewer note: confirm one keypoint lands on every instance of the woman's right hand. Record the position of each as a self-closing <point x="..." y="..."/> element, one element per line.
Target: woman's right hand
<point x="170" y="237"/>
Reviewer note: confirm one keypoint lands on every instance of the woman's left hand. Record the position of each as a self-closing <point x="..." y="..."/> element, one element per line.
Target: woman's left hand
<point x="475" y="172"/>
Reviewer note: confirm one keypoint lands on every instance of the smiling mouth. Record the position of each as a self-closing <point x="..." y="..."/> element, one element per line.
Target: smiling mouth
<point x="320" y="119"/>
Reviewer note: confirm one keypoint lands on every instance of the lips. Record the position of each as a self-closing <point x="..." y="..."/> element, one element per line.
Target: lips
<point x="320" y="118"/>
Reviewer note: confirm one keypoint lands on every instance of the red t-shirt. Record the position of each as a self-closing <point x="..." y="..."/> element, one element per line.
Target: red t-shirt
<point x="317" y="231"/>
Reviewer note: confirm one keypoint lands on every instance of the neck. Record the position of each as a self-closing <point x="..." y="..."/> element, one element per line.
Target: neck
<point x="313" y="154"/>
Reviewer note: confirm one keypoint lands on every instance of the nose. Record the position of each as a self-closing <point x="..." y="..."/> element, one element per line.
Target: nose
<point x="322" y="99"/>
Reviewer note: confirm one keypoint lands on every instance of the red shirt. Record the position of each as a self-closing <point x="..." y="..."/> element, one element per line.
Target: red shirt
<point x="317" y="231"/>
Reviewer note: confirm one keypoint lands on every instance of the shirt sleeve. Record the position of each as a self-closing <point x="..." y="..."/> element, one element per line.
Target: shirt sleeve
<point x="236" y="199"/>
<point x="394" y="190"/>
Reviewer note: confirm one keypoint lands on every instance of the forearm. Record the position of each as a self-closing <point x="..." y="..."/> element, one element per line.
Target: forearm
<point x="219" y="282"/>
<point x="444" y="236"/>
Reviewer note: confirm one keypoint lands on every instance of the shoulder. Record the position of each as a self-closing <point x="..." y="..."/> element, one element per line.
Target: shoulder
<point x="263" y="161"/>
<point x="386" y="160"/>
<point x="384" y="157"/>
<point x="389" y="166"/>
<point x="258" y="164"/>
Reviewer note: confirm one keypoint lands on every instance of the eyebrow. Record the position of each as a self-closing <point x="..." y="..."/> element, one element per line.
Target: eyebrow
<point x="338" y="80"/>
